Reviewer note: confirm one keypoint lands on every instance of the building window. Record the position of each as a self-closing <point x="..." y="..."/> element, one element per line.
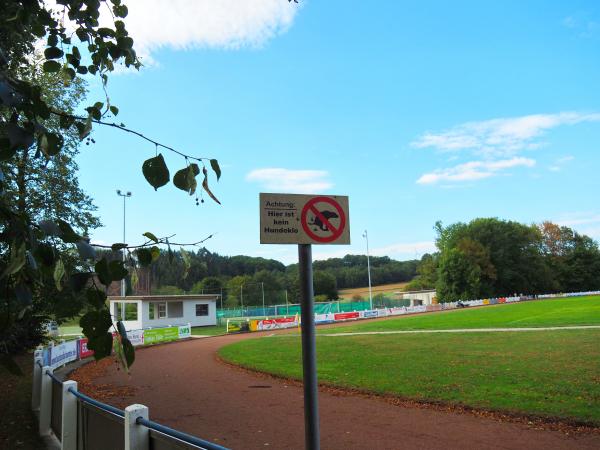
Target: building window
<point x="175" y="309"/>
<point x="117" y="311"/>
<point x="131" y="311"/>
<point x="157" y="310"/>
<point x="201" y="310"/>
<point x="162" y="310"/>
<point x="125" y="311"/>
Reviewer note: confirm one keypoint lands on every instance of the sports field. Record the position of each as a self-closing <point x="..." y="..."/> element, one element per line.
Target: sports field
<point x="538" y="313"/>
<point x="546" y="373"/>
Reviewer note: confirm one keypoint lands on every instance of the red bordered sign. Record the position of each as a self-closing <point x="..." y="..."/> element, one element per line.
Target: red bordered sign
<point x="323" y="219"/>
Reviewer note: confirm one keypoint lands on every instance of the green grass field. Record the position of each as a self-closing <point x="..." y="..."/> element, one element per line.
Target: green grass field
<point x="541" y="313"/>
<point x="547" y="373"/>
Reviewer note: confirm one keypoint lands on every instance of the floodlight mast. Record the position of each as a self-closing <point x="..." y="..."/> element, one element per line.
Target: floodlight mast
<point x="366" y="236"/>
<point x="125" y="196"/>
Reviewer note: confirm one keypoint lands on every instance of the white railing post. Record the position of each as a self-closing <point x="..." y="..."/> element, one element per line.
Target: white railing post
<point x="38" y="357"/>
<point x="45" y="401"/>
<point x="69" y="417"/>
<point x="137" y="437"/>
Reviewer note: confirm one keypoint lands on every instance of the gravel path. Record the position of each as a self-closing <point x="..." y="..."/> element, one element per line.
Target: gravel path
<point x="187" y="388"/>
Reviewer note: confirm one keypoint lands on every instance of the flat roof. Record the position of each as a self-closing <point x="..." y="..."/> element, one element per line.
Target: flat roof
<point x="153" y="298"/>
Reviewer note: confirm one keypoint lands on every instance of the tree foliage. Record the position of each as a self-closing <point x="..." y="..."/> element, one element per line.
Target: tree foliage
<point x="492" y="257"/>
<point x="37" y="133"/>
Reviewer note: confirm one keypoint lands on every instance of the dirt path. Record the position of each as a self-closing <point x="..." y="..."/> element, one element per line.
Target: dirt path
<point x="185" y="387"/>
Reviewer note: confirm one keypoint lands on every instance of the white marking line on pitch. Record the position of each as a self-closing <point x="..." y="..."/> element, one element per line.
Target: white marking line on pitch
<point x="465" y="330"/>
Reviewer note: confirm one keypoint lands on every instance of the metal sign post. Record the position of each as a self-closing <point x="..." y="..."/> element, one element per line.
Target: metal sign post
<point x="306" y="220"/>
<point x="309" y="350"/>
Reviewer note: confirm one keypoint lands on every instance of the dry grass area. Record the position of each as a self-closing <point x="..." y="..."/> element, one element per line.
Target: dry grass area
<point x="364" y="291"/>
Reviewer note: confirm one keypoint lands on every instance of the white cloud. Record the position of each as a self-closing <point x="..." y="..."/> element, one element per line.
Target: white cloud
<point x="292" y="181"/>
<point x="474" y="170"/>
<point x="560" y="163"/>
<point x="500" y="137"/>
<point x="185" y="24"/>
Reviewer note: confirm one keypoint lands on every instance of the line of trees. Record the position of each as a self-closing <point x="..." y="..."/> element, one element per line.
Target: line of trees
<point x="244" y="277"/>
<point x="488" y="257"/>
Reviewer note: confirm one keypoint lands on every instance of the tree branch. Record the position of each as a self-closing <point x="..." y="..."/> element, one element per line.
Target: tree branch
<point x="137" y="133"/>
<point x="161" y="241"/>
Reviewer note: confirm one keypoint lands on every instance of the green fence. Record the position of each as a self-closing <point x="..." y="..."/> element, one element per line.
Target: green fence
<point x="320" y="308"/>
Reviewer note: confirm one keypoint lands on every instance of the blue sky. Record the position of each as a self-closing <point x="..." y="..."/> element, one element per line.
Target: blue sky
<point x="418" y="111"/>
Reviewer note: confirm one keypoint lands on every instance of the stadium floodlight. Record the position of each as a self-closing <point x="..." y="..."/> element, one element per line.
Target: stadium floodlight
<point x="366" y="236"/>
<point x="124" y="195"/>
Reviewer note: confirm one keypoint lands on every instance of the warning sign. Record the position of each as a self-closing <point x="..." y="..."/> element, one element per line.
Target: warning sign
<point x="304" y="219"/>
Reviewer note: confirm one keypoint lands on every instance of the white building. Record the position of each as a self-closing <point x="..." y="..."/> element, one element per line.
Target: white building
<point x="418" y="298"/>
<point x="150" y="311"/>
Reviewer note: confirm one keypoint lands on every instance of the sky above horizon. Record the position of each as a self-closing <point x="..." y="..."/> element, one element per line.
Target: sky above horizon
<point x="418" y="111"/>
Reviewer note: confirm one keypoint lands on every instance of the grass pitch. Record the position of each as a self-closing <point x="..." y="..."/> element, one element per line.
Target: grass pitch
<point x="545" y="373"/>
<point x="538" y="313"/>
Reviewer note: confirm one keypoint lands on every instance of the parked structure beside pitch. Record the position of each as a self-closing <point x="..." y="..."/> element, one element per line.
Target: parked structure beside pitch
<point x="150" y="311"/>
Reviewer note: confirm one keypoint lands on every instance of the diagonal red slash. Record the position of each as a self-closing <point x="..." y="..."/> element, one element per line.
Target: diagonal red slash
<point x="325" y="221"/>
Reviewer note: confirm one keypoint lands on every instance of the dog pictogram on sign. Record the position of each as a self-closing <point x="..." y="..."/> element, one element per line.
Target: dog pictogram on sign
<point x="323" y="219"/>
<point x="304" y="219"/>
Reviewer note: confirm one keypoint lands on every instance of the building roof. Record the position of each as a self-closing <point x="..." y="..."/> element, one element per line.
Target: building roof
<point x="154" y="298"/>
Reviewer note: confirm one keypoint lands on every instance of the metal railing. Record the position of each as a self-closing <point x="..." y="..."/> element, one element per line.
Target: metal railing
<point x="79" y="421"/>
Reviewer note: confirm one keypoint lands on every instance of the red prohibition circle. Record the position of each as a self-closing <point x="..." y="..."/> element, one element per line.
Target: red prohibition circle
<point x="310" y="206"/>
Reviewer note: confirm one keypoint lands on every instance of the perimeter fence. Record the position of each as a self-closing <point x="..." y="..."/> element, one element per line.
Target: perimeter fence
<point x="78" y="422"/>
<point x="258" y="323"/>
<point x="320" y="308"/>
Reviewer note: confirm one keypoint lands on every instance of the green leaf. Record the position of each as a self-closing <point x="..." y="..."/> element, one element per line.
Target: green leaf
<point x="117" y="270"/>
<point x="155" y="171"/>
<point x="120" y="11"/>
<point x="49" y="228"/>
<point x="155" y="252"/>
<point x="114" y="110"/>
<point x="134" y="278"/>
<point x="16" y="262"/>
<point x="103" y="272"/>
<point x="86" y="128"/>
<point x="45" y="254"/>
<point x="96" y="297"/>
<point x="66" y="233"/>
<point x="50" y="143"/>
<point x="95" y="323"/>
<point x="187" y="262"/>
<point x="59" y="273"/>
<point x="86" y="251"/>
<point x="185" y="179"/>
<point x="150" y="236"/>
<point x="53" y="53"/>
<point x="215" y="167"/>
<point x="51" y="66"/>
<point x="144" y="256"/>
<point x="129" y="352"/>
<point x="121" y="329"/>
<point x="79" y="280"/>
<point x="101" y="345"/>
<point x="82" y="34"/>
<point x="206" y="188"/>
<point x="19" y="137"/>
<point x="52" y="40"/>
